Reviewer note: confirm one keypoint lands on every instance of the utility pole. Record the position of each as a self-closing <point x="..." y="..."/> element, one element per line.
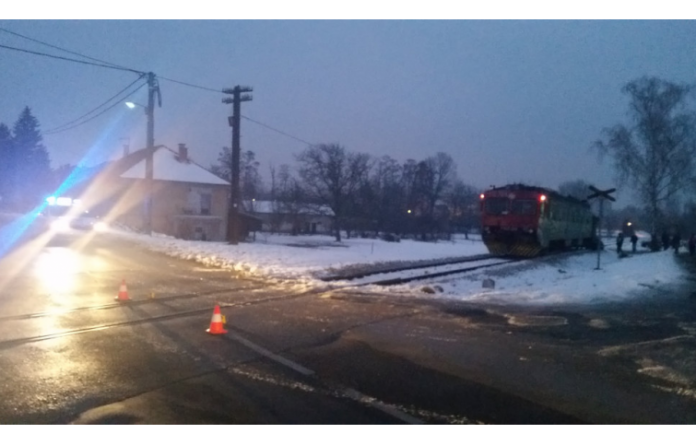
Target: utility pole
<point x="233" y="220"/>
<point x="152" y="90"/>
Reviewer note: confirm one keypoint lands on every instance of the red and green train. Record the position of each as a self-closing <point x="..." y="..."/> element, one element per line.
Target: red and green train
<point x="526" y="221"/>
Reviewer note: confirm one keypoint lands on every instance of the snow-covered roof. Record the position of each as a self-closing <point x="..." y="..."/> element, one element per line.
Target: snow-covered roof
<point x="166" y="166"/>
<point x="279" y="207"/>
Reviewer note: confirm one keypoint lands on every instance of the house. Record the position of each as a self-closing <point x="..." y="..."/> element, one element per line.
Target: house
<point x="188" y="201"/>
<point x="288" y="217"/>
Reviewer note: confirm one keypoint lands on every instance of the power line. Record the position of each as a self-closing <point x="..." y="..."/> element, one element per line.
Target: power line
<point x="71" y="60"/>
<point x="59" y="48"/>
<point x="59" y="127"/>
<point x="278" y="131"/>
<point x="96" y="115"/>
<point x="105" y="64"/>
<point x="191" y="85"/>
<point x="103" y="61"/>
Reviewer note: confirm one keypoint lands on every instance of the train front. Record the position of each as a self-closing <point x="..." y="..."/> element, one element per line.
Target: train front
<point x="510" y="221"/>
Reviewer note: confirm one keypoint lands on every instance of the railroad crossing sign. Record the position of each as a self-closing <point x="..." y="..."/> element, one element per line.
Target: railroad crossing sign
<point x="602" y="195"/>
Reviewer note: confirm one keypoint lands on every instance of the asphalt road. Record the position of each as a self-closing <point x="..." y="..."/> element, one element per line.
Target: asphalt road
<point x="70" y="353"/>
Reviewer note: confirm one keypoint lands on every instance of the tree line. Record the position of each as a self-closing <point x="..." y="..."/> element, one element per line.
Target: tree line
<point x="25" y="167"/>
<point x="368" y="195"/>
<point x="653" y="153"/>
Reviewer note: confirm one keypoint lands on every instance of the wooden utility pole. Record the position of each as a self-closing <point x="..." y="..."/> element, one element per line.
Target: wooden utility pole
<point x="152" y="90"/>
<point x="233" y="220"/>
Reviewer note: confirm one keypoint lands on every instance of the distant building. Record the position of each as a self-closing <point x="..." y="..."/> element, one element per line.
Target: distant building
<point x="188" y="201"/>
<point x="287" y="217"/>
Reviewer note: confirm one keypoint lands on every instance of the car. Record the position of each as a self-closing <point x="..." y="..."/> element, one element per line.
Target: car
<point x="65" y="213"/>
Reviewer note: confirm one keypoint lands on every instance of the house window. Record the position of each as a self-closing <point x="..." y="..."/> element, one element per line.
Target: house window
<point x="199" y="202"/>
<point x="206" y="203"/>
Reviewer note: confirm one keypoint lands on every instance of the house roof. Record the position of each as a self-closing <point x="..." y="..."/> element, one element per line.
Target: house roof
<point x="166" y="166"/>
<point x="269" y="207"/>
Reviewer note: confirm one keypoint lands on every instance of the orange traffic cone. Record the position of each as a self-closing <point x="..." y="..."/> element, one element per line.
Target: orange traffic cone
<point x="216" y="323"/>
<point x="123" y="292"/>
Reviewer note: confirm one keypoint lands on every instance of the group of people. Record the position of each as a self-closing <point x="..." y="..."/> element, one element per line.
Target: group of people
<point x="667" y="242"/>
<point x="620" y="240"/>
<point x="676" y="243"/>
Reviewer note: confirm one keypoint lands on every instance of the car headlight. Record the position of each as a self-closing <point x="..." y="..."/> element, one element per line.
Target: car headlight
<point x="60" y="225"/>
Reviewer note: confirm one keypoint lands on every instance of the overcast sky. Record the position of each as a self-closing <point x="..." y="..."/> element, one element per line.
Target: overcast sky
<point x="508" y="100"/>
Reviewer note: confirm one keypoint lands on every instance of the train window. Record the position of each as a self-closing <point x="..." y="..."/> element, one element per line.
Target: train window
<point x="523" y="207"/>
<point x="496" y="206"/>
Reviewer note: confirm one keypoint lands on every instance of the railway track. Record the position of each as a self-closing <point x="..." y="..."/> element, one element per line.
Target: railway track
<point x="430" y="275"/>
<point x="401" y="274"/>
<point x="13" y="342"/>
<point x="404" y="267"/>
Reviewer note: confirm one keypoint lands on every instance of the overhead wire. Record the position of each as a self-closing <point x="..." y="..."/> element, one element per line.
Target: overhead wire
<point x="277" y="131"/>
<point x="191" y="85"/>
<point x="99" y="114"/>
<point x="59" y="127"/>
<point x="71" y="60"/>
<point x="61" y="49"/>
<point x="105" y="64"/>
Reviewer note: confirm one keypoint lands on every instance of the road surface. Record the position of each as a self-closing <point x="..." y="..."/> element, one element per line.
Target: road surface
<point x="71" y="353"/>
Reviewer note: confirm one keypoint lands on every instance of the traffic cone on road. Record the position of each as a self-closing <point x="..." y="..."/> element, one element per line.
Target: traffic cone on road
<point x="216" y="327"/>
<point x="123" y="292"/>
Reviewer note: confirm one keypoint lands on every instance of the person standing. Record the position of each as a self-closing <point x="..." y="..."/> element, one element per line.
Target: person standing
<point x="619" y="242"/>
<point x="634" y="241"/>
<point x="676" y="242"/>
<point x="665" y="240"/>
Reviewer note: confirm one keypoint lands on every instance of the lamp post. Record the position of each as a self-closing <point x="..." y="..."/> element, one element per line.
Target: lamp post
<point x="153" y="88"/>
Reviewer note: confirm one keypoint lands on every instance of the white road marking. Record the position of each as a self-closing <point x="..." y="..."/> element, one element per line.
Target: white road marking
<point x="362" y="398"/>
<point x="348" y="392"/>
<point x="275" y="357"/>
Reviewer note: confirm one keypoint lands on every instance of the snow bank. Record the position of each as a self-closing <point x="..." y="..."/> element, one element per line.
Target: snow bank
<point x="570" y="280"/>
<point x="293" y="257"/>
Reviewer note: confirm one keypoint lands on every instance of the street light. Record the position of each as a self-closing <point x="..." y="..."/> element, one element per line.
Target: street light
<point x="153" y="88"/>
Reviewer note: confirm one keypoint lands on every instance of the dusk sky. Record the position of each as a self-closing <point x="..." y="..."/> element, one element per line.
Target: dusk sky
<point x="510" y="101"/>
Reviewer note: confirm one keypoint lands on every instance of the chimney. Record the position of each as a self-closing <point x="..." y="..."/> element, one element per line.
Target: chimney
<point x="183" y="153"/>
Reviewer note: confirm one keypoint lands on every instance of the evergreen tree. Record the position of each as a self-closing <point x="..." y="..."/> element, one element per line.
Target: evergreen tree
<point x="32" y="165"/>
<point x="6" y="164"/>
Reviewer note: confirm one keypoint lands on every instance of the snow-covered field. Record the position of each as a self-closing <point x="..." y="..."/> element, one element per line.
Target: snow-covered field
<point x="303" y="258"/>
<point x="571" y="279"/>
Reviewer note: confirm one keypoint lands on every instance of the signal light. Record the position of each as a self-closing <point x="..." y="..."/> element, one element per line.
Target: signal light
<point x="542" y="198"/>
<point x="482" y="195"/>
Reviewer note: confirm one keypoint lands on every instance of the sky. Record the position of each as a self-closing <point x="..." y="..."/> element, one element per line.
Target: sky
<point x="509" y="100"/>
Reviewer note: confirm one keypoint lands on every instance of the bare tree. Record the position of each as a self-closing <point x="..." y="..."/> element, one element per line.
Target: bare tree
<point x="290" y="200"/>
<point x="332" y="175"/>
<point x="433" y="176"/>
<point x="463" y="200"/>
<point x="250" y="180"/>
<point x="431" y="179"/>
<point x="578" y="189"/>
<point x="655" y="153"/>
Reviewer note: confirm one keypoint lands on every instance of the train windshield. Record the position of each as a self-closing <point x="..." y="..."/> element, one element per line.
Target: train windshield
<point x="496" y="206"/>
<point x="523" y="207"/>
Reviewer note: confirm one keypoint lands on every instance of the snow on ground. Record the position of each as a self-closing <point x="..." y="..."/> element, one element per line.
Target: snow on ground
<point x="303" y="257"/>
<point x="569" y="280"/>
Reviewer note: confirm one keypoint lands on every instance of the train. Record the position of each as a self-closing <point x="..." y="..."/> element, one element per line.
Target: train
<point x="519" y="220"/>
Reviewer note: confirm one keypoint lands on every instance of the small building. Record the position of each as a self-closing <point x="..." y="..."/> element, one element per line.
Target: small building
<point x="288" y="217"/>
<point x="188" y="201"/>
